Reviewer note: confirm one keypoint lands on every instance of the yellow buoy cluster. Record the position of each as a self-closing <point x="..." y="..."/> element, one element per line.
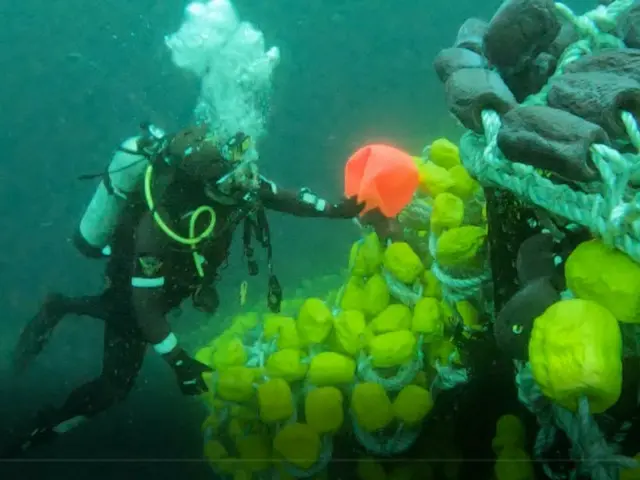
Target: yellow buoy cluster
<point x="361" y="361"/>
<point x="576" y="346"/>
<point x="449" y="207"/>
<point x="631" y="473"/>
<point x="283" y="397"/>
<point x="512" y="461"/>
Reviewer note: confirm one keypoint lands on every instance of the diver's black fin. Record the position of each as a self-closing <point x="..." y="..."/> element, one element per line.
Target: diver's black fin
<point x="36" y="438"/>
<point x="40" y="431"/>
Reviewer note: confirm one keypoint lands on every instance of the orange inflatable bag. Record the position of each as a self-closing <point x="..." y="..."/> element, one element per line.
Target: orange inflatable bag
<point x="382" y="177"/>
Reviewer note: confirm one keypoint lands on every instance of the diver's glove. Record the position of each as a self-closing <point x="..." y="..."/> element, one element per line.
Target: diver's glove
<point x="347" y="208"/>
<point x="188" y="372"/>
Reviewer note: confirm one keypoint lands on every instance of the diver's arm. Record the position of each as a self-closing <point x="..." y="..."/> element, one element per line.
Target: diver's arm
<point x="147" y="286"/>
<point x="304" y="203"/>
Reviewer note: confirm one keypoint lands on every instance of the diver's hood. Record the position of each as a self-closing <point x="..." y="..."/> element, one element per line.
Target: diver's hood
<point x="228" y="170"/>
<point x="196" y="154"/>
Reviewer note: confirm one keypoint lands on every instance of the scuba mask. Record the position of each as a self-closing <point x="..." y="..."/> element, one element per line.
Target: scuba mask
<point x="242" y="157"/>
<point x="236" y="147"/>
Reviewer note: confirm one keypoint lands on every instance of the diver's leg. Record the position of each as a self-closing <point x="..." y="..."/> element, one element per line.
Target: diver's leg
<point x="123" y="357"/>
<point x="55" y="307"/>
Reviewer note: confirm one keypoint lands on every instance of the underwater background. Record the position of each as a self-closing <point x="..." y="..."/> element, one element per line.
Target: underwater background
<point x="79" y="77"/>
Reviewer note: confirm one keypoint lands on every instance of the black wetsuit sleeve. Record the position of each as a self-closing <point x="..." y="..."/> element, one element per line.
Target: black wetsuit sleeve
<point x="148" y="284"/>
<point x="304" y="203"/>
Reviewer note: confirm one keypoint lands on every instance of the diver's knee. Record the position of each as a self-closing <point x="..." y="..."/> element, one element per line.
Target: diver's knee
<point x="55" y="304"/>
<point x="119" y="390"/>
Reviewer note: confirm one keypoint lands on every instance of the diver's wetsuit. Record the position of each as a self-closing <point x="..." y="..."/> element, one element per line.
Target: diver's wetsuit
<point x="148" y="275"/>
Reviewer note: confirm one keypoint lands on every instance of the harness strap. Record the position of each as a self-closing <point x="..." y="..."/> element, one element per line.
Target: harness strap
<point x="247" y="235"/>
<point x="264" y="236"/>
<point x="259" y="228"/>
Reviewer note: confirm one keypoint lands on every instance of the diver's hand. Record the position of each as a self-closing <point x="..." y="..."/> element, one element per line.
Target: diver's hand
<point x="188" y="372"/>
<point x="347" y="208"/>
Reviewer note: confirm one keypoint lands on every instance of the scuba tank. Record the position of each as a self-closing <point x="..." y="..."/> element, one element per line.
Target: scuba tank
<point x="122" y="179"/>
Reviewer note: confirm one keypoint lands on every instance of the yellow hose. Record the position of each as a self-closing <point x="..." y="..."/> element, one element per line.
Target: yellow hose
<point x="192" y="240"/>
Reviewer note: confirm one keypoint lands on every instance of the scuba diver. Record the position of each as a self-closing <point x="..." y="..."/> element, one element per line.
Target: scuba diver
<point x="164" y="215"/>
